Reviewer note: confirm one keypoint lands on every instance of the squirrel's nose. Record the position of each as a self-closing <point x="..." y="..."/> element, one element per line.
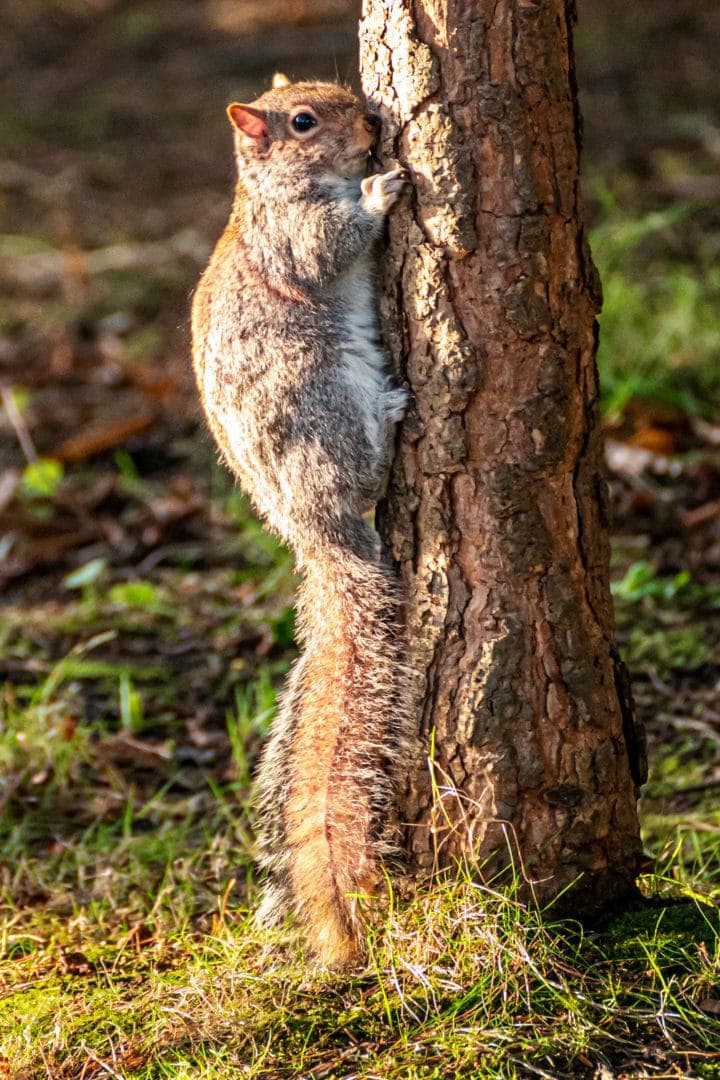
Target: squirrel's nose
<point x="372" y="123"/>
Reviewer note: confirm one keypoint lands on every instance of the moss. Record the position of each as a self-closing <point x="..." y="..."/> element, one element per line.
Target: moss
<point x="671" y="931"/>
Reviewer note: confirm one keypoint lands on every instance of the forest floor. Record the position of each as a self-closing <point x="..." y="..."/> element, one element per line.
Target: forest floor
<point x="146" y="619"/>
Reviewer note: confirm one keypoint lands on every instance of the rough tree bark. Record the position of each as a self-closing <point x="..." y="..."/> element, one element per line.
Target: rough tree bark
<point x="497" y="510"/>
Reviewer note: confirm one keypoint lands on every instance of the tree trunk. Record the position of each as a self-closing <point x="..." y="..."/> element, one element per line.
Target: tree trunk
<point x="497" y="509"/>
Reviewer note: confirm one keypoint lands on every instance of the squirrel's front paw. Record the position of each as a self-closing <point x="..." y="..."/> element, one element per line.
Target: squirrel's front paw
<point x="379" y="192"/>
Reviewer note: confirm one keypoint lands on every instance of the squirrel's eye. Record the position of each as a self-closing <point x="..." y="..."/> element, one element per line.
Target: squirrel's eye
<point x="303" y="122"/>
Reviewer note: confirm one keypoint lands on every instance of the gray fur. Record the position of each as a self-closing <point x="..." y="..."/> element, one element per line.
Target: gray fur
<point x="296" y="390"/>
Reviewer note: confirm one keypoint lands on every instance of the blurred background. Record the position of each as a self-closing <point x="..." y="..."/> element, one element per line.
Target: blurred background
<point x="145" y="618"/>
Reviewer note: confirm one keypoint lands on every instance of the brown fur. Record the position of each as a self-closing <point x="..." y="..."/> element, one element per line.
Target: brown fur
<point x="328" y="815"/>
<point x="297" y="395"/>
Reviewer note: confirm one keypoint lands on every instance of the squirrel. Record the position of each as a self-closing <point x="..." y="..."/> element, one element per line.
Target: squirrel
<point x="297" y="394"/>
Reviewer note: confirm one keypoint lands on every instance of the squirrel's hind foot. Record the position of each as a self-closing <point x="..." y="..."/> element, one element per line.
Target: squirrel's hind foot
<point x="396" y="403"/>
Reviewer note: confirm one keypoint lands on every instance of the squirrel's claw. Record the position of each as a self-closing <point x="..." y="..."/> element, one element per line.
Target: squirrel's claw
<point x="381" y="190"/>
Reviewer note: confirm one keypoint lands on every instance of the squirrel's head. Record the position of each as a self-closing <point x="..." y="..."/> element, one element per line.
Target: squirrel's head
<point x="313" y="126"/>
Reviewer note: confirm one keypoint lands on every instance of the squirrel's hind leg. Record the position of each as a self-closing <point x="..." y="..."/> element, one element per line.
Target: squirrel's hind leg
<point x="395" y="404"/>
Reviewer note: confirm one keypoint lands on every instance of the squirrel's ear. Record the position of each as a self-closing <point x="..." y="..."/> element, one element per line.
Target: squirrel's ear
<point x="279" y="81"/>
<point x="251" y="122"/>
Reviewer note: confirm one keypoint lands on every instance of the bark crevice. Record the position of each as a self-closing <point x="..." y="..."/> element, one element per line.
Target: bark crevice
<point x="496" y="514"/>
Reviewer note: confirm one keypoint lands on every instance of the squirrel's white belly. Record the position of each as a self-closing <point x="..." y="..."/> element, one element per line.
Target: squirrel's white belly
<point x="362" y="362"/>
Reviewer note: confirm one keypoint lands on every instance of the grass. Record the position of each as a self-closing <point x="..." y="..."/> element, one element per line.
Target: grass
<point x="671" y="620"/>
<point x="462" y="982"/>
<point x="128" y="947"/>
<point x="127" y="944"/>
<point x="660" y="322"/>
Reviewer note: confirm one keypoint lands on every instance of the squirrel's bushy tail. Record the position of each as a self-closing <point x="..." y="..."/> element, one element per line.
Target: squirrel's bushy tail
<point x="329" y="773"/>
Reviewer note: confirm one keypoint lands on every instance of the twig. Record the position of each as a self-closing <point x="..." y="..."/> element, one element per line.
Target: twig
<point x="95" y="1060"/>
<point x="18" y="424"/>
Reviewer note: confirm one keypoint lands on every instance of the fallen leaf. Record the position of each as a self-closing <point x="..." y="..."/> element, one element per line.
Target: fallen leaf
<point x="93" y="440"/>
<point x="709" y="433"/>
<point x="701" y="515"/>
<point x="658" y="440"/>
<point x="631" y="460"/>
<point x="123" y="747"/>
